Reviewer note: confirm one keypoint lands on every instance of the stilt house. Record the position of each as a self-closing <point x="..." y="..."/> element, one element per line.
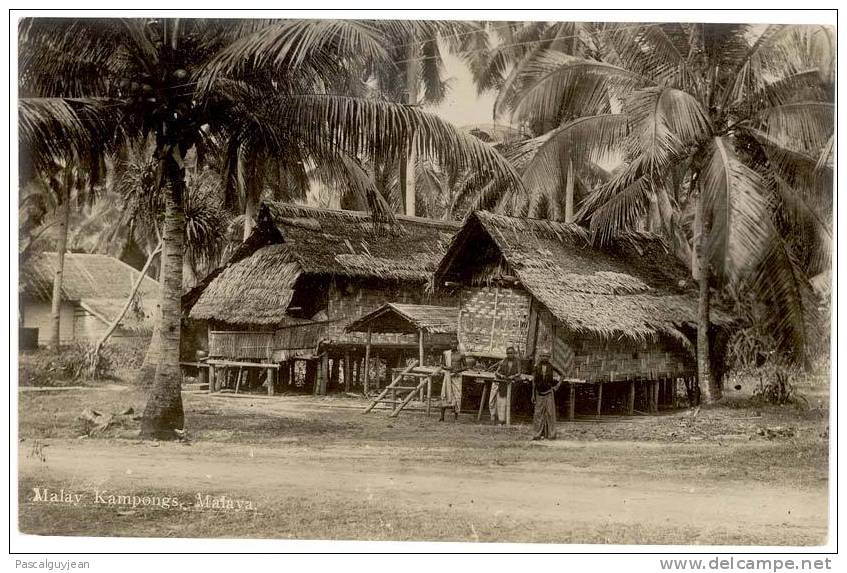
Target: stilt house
<point x="289" y="292"/>
<point x="624" y="317"/>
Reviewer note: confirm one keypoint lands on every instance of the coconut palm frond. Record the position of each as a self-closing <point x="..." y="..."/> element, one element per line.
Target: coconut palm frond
<point x="825" y="158"/>
<point x="299" y="45"/>
<point x="781" y="285"/>
<point x="357" y="126"/>
<point x="805" y="126"/>
<point x="57" y="129"/>
<point x="554" y="77"/>
<point x="343" y="173"/>
<point x="740" y="220"/>
<point x="657" y="51"/>
<point x="584" y="141"/>
<point x="664" y="122"/>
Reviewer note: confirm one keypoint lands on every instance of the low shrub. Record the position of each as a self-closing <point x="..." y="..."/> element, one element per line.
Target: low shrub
<point x="72" y="364"/>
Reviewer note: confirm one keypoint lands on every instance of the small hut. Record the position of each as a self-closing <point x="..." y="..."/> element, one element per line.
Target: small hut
<point x="619" y="321"/>
<point x="289" y="293"/>
<point x="94" y="291"/>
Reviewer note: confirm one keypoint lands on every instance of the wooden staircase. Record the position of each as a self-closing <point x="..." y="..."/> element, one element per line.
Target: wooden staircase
<point x="410" y="382"/>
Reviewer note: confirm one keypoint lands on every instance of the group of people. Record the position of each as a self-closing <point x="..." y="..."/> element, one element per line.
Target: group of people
<point x="509" y="370"/>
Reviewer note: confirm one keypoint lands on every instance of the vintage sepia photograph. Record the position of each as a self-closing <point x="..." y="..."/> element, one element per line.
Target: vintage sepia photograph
<point x="380" y="279"/>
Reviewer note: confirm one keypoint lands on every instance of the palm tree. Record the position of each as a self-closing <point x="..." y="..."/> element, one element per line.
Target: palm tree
<point x="728" y="127"/>
<point x="51" y="189"/>
<point x="180" y="79"/>
<point x="415" y="46"/>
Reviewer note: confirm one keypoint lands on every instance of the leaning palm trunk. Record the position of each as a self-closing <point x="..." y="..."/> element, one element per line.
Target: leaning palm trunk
<point x="95" y="352"/>
<point x="63" y="213"/>
<point x="163" y="413"/>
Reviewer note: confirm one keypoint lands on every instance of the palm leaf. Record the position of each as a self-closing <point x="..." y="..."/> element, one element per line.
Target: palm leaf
<point x="665" y="122"/>
<point x="740" y="221"/>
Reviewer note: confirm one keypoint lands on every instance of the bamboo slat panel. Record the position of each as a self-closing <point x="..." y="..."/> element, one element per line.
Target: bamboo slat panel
<point x="241" y="344"/>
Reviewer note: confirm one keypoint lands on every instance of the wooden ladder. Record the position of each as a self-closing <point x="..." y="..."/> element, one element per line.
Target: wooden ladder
<point x="404" y="387"/>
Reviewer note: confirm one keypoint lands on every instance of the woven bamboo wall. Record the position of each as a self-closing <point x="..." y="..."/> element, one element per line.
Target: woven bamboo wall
<point x="493" y="318"/>
<point x="351" y="300"/>
<point x="594" y="358"/>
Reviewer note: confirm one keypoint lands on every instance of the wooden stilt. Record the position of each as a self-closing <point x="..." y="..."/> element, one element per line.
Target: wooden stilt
<point x="482" y="402"/>
<point x="630" y="403"/>
<point x="571" y="401"/>
<point x="334" y="372"/>
<point x="238" y="379"/>
<point x="323" y="380"/>
<point x="270" y="381"/>
<point x="508" y="404"/>
<point x="348" y="371"/>
<point x="213" y="387"/>
<point x="599" y="397"/>
<point x="367" y="362"/>
<point x="420" y="347"/>
<point x="428" y="394"/>
<point x="656" y="398"/>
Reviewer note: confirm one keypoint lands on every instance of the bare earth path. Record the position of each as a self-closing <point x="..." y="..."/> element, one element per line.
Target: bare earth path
<point x="375" y="490"/>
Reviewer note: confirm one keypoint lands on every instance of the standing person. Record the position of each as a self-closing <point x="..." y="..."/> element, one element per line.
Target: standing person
<point x="451" y="387"/>
<point x="507" y="370"/>
<point x="544" y="388"/>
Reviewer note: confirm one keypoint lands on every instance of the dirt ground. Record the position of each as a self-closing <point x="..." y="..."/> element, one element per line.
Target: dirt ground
<point x="303" y="467"/>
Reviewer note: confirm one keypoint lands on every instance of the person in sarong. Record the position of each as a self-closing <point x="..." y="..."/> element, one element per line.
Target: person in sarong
<point x="451" y="388"/>
<point x="544" y="388"/>
<point x="508" y="370"/>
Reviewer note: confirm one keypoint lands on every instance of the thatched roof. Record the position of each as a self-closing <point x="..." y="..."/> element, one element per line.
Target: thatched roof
<point x="633" y="288"/>
<point x="408" y="319"/>
<point x="350" y="243"/>
<point x="256" y="286"/>
<point x="255" y="290"/>
<point x="98" y="283"/>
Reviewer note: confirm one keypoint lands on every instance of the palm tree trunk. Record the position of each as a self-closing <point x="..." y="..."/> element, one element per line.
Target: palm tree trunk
<point x="147" y="372"/>
<point x="708" y="385"/>
<point x="407" y="175"/>
<point x="569" y="185"/>
<point x="163" y="413"/>
<point x="63" y="214"/>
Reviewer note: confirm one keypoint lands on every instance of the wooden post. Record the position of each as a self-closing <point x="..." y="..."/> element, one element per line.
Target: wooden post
<point x="238" y="379"/>
<point x="292" y="367"/>
<point x="420" y="347"/>
<point x="334" y="372"/>
<point x="213" y="379"/>
<point x="508" y="403"/>
<point x="656" y="396"/>
<point x="571" y="401"/>
<point x="270" y="380"/>
<point x="324" y="374"/>
<point x="630" y="403"/>
<point x="428" y="394"/>
<point x="599" y="397"/>
<point x="367" y="362"/>
<point x="348" y="371"/>
<point x="483" y="401"/>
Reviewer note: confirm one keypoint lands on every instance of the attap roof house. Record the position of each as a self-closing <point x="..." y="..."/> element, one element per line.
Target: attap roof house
<point x="292" y="242"/>
<point x="633" y="288"/>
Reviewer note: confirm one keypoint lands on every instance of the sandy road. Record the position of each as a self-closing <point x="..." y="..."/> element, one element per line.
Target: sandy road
<point x="557" y="494"/>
